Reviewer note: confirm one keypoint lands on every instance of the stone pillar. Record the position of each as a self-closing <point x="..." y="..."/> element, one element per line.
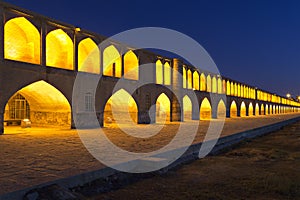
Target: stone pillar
<point x="1" y="33"/>
<point x="43" y="43"/>
<point x="1" y="123"/>
<point x="75" y="52"/>
<point x="100" y="118"/>
<point x="176" y="74"/>
<point x="144" y="108"/>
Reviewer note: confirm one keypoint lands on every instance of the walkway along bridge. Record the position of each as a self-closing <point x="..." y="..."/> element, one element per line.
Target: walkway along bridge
<point x="40" y="58"/>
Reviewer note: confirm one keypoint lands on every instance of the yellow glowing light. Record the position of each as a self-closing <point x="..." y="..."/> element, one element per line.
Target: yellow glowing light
<point x="163" y="106"/>
<point x="221" y="110"/>
<point x="167" y="74"/>
<point x="159" y="72"/>
<point x="131" y="64"/>
<point x="184" y="77"/>
<point x="220" y="87"/>
<point x="187" y="108"/>
<point x="77" y="29"/>
<point x="88" y="56"/>
<point x="112" y="62"/>
<point x="21" y="41"/>
<point x="233" y="109"/>
<point x="59" y="50"/>
<point x="214" y="85"/>
<point x="196" y="80"/>
<point x="243" y="110"/>
<point x="190" y="79"/>
<point x="250" y="113"/>
<point x="205" y="110"/>
<point x="262" y="109"/>
<point x="257" y="109"/>
<point x="208" y="83"/>
<point x="228" y="89"/>
<point x="202" y="82"/>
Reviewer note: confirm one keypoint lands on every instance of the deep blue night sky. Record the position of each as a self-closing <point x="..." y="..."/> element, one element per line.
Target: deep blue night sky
<point x="256" y="42"/>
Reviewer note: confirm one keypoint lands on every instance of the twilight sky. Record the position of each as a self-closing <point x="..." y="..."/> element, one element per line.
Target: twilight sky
<point x="255" y="42"/>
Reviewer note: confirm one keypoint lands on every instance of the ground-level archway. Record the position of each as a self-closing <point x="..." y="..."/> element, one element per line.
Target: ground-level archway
<point x="221" y="110"/>
<point x="233" y="109"/>
<point x="250" y="112"/>
<point x="187" y="108"/>
<point x="205" y="110"/>
<point x="163" y="108"/>
<point x="40" y="102"/>
<point x="243" y="110"/>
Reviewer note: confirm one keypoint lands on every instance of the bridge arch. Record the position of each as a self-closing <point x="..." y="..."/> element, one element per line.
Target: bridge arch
<point x="112" y="62"/>
<point x="21" y="41"/>
<point x="262" y="109"/>
<point x="251" y="109"/>
<point x="257" y="109"/>
<point x="42" y="103"/>
<point x="202" y="82"/>
<point x="131" y="66"/>
<point x="159" y="72"/>
<point x="214" y="85"/>
<point x="163" y="109"/>
<point x="59" y="50"/>
<point x="187" y="108"/>
<point x="208" y="83"/>
<point x="243" y="112"/>
<point x="221" y="113"/>
<point x="190" y="79"/>
<point x="267" y="109"/>
<point x="196" y="80"/>
<point x="88" y="56"/>
<point x="233" y="109"/>
<point x="167" y="74"/>
<point x="205" y="109"/>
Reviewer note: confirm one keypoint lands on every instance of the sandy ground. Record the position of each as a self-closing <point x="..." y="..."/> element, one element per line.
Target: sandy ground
<point x="264" y="168"/>
<point x="36" y="155"/>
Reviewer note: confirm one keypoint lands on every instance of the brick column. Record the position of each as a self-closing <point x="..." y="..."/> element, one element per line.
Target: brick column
<point x="176" y="74"/>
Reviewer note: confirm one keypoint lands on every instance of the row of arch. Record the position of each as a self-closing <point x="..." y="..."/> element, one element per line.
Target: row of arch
<point x="22" y="43"/>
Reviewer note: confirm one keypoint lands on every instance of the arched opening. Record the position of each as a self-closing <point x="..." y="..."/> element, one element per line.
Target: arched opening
<point x="184" y="77"/>
<point x="187" y="108"/>
<point x="257" y="109"/>
<point x="277" y="110"/>
<point x="131" y="64"/>
<point x="251" y="110"/>
<point x="233" y="109"/>
<point x="202" y="82"/>
<point x="208" y="83"/>
<point x="41" y="103"/>
<point x="21" y="41"/>
<point x="196" y="80"/>
<point x="267" y="110"/>
<point x="167" y="74"/>
<point x="221" y="110"/>
<point x="163" y="107"/>
<point x="112" y="62"/>
<point x="220" y="87"/>
<point x="228" y="88"/>
<point x="262" y="109"/>
<point x="59" y="50"/>
<point x="271" y="109"/>
<point x="159" y="72"/>
<point x="120" y="108"/>
<point x="88" y="56"/>
<point x="190" y="79"/>
<point x="232" y="91"/>
<point x="205" y="110"/>
<point x="243" y="110"/>
<point x="214" y="85"/>
<point x="274" y="109"/>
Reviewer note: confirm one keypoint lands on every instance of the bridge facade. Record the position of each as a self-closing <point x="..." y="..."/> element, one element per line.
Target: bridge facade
<point x="41" y="57"/>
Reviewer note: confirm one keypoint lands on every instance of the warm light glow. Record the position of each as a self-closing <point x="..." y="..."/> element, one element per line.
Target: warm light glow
<point x="88" y="56"/>
<point x="208" y="83"/>
<point x="159" y="72"/>
<point x="221" y="110"/>
<point x="202" y="82"/>
<point x="232" y="91"/>
<point x="196" y="80"/>
<point x="233" y="109"/>
<point x="59" y="50"/>
<point x="131" y="64"/>
<point x="220" y="87"/>
<point x="257" y="109"/>
<point x="167" y="74"/>
<point x="187" y="108"/>
<point x="21" y="41"/>
<point x="205" y="110"/>
<point x="228" y="89"/>
<point x="184" y="77"/>
<point x="190" y="79"/>
<point x="112" y="62"/>
<point x="250" y="113"/>
<point x="214" y="85"/>
<point x="243" y="110"/>
<point x="163" y="107"/>
<point x="262" y="109"/>
<point x="288" y="95"/>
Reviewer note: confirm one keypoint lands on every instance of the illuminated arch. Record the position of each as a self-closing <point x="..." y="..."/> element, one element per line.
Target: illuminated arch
<point x="277" y="110"/>
<point x="220" y="87"/>
<point x="21" y="41"/>
<point x="187" y="108"/>
<point x="196" y="80"/>
<point x="221" y="110"/>
<point x="214" y="87"/>
<point x="59" y="50"/>
<point x="251" y="110"/>
<point x="233" y="109"/>
<point x="47" y="105"/>
<point x="112" y="62"/>
<point x="267" y="110"/>
<point x="257" y="109"/>
<point x="131" y="64"/>
<point x="208" y="83"/>
<point x="184" y="77"/>
<point x="202" y="82"/>
<point x="228" y="89"/>
<point x="190" y="79"/>
<point x="88" y="56"/>
<point x="232" y="91"/>
<point x="271" y="110"/>
<point x="238" y="90"/>
<point x="235" y="89"/>
<point x="224" y="90"/>
<point x="163" y="106"/>
<point x="119" y="107"/>
<point x="167" y="74"/>
<point x="242" y="91"/>
<point x="205" y="110"/>
<point x="159" y="72"/>
<point x="243" y="110"/>
<point x="262" y="109"/>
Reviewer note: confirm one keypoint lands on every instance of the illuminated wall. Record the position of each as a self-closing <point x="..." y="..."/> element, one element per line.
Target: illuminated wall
<point x="267" y="110"/>
<point x="221" y="110"/>
<point x="163" y="106"/>
<point x="233" y="109"/>
<point x="21" y="41"/>
<point x="243" y="110"/>
<point x="196" y="80"/>
<point x="232" y="91"/>
<point x="205" y="110"/>
<point x="167" y="74"/>
<point x="88" y="56"/>
<point x="187" y="108"/>
<point x="257" y="109"/>
<point x="208" y="83"/>
<point x="220" y="87"/>
<point x="228" y="88"/>
<point x="250" y="113"/>
<point x="59" y="50"/>
<point x="131" y="64"/>
<point x="262" y="109"/>
<point x="184" y="77"/>
<point x="112" y="62"/>
<point x="159" y="72"/>
<point x="190" y="79"/>
<point x="120" y="108"/>
<point x="202" y="82"/>
<point x="214" y="85"/>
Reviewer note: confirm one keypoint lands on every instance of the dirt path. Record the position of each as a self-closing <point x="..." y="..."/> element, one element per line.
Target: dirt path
<point x="265" y="168"/>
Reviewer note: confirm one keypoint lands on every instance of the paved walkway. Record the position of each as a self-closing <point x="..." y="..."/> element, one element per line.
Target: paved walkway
<point x="36" y="155"/>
